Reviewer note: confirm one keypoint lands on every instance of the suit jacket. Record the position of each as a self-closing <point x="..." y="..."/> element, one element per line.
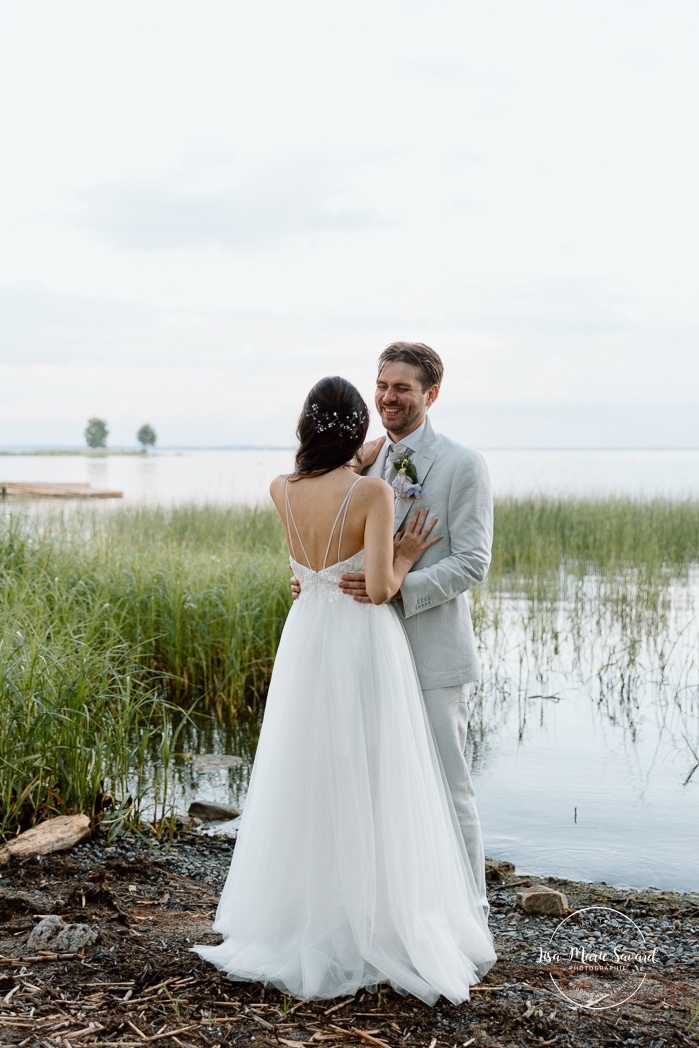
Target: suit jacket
<point x="434" y="607"/>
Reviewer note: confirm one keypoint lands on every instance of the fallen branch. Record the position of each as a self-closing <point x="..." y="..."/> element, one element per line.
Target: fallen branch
<point x="172" y="1033"/>
<point x="361" y="1034"/>
<point x="92" y="1028"/>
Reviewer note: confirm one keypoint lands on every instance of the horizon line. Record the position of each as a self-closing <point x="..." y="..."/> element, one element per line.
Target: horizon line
<point x="30" y="448"/>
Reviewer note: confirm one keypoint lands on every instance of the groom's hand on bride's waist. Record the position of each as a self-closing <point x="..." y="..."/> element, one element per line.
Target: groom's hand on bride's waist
<point x="354" y="585"/>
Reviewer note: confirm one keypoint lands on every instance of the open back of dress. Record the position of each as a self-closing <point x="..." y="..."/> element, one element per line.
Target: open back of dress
<point x="340" y="518"/>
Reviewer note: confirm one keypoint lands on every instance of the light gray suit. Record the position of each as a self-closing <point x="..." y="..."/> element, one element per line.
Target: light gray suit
<point x="435" y="609"/>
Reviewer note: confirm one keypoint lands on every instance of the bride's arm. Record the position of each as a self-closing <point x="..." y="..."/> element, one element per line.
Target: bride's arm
<point x="385" y="568"/>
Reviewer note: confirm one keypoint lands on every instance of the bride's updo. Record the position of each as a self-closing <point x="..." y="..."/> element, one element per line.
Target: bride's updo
<point x="331" y="428"/>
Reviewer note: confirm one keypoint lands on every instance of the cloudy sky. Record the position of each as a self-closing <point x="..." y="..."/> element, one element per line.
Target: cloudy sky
<point x="205" y="206"/>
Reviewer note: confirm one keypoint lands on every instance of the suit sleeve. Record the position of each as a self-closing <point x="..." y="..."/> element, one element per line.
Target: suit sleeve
<point x="470" y="525"/>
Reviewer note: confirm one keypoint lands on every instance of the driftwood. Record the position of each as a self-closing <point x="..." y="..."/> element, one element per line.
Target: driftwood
<point x="51" y="489"/>
<point x="54" y="835"/>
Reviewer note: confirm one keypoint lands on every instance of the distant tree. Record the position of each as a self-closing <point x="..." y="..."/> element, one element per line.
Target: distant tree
<point x="146" y="436"/>
<point x="96" y="433"/>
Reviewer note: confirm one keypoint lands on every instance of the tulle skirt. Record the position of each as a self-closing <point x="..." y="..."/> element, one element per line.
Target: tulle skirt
<point x="349" y="869"/>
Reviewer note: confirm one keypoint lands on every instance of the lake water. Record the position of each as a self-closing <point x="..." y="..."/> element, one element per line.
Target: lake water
<point x="584" y="745"/>
<point x="243" y="475"/>
<point x="585" y="752"/>
<point x="585" y="739"/>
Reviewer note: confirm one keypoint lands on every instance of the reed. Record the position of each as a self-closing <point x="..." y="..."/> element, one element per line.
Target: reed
<point x="534" y="537"/>
<point x="105" y="618"/>
<point x="109" y="614"/>
<point x="73" y="732"/>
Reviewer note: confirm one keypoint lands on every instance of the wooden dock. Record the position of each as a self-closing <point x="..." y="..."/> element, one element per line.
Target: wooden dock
<point x="53" y="490"/>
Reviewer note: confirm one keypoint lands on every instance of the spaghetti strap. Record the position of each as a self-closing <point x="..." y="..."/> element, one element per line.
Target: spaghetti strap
<point x="343" y="506"/>
<point x="290" y="514"/>
<point x="341" y="513"/>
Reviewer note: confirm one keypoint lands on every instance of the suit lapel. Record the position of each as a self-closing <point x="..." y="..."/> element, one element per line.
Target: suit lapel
<point x="423" y="459"/>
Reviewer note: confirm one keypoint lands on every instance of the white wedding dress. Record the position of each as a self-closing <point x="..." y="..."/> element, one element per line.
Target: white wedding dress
<point x="349" y="868"/>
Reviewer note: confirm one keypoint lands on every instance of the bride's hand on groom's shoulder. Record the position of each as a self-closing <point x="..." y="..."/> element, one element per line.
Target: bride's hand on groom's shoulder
<point x="367" y="454"/>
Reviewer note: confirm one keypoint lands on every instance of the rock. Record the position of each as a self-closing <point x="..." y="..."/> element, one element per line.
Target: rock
<point x="55" y="935"/>
<point x="42" y="937"/>
<point x="54" y="835"/>
<point x="13" y="903"/>
<point x="186" y="822"/>
<point x="216" y="761"/>
<point x="542" y="900"/>
<point x="498" y="870"/>
<point x="211" y="812"/>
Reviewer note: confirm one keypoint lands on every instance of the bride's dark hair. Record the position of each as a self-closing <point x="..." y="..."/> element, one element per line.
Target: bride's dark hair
<point x="331" y="428"/>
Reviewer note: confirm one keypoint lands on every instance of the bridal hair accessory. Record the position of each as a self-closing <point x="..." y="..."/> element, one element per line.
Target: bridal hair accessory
<point x="344" y="422"/>
<point x="405" y="484"/>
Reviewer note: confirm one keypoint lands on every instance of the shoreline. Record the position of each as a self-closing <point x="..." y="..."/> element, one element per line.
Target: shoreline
<point x="603" y="886"/>
<point x="151" y="902"/>
<point x="84" y="452"/>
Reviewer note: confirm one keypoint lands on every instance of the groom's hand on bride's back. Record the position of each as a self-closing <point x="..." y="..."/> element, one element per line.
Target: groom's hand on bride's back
<point x="354" y="585"/>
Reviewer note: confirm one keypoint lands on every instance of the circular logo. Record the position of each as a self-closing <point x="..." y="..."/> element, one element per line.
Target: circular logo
<point x="598" y="958"/>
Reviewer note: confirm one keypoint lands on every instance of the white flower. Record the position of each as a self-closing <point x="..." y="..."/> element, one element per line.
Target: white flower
<point x="404" y="486"/>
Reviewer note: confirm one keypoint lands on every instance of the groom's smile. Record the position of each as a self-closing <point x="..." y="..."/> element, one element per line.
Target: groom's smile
<point x="400" y="399"/>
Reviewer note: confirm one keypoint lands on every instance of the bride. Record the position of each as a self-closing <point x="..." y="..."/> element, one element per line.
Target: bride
<point x="349" y="869"/>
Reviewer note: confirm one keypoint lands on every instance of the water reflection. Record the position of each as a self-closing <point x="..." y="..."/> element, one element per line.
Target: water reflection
<point x="584" y="733"/>
<point x="97" y="472"/>
<point x="583" y="737"/>
<point x="196" y="734"/>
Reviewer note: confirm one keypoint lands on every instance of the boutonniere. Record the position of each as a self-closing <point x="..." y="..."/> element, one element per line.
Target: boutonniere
<point x="406" y="484"/>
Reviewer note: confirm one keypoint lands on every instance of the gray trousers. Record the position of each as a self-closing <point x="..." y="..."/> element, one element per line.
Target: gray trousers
<point x="447" y="710"/>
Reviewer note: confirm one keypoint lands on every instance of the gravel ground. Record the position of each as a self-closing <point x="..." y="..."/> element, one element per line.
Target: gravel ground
<point x="138" y="984"/>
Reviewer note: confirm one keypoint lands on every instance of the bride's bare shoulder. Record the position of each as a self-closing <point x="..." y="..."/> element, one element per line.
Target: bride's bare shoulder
<point x="373" y="488"/>
<point x="277" y="486"/>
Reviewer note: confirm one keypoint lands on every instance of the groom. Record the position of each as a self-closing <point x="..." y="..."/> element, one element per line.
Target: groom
<point x="453" y="482"/>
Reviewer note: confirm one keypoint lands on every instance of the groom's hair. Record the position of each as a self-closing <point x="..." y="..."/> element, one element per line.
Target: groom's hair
<point x="428" y="363"/>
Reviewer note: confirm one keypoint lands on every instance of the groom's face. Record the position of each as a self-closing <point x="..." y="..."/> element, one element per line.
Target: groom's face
<point x="400" y="399"/>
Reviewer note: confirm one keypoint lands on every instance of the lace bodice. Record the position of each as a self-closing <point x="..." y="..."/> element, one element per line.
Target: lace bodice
<point x="323" y="585"/>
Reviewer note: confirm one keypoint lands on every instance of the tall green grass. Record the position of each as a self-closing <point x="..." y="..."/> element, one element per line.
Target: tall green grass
<point x="194" y="598"/>
<point x="535" y="537"/>
<point x="73" y="731"/>
<point x="106" y="615"/>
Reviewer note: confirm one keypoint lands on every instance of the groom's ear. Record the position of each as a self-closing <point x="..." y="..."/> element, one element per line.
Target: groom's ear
<point x="432" y="394"/>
